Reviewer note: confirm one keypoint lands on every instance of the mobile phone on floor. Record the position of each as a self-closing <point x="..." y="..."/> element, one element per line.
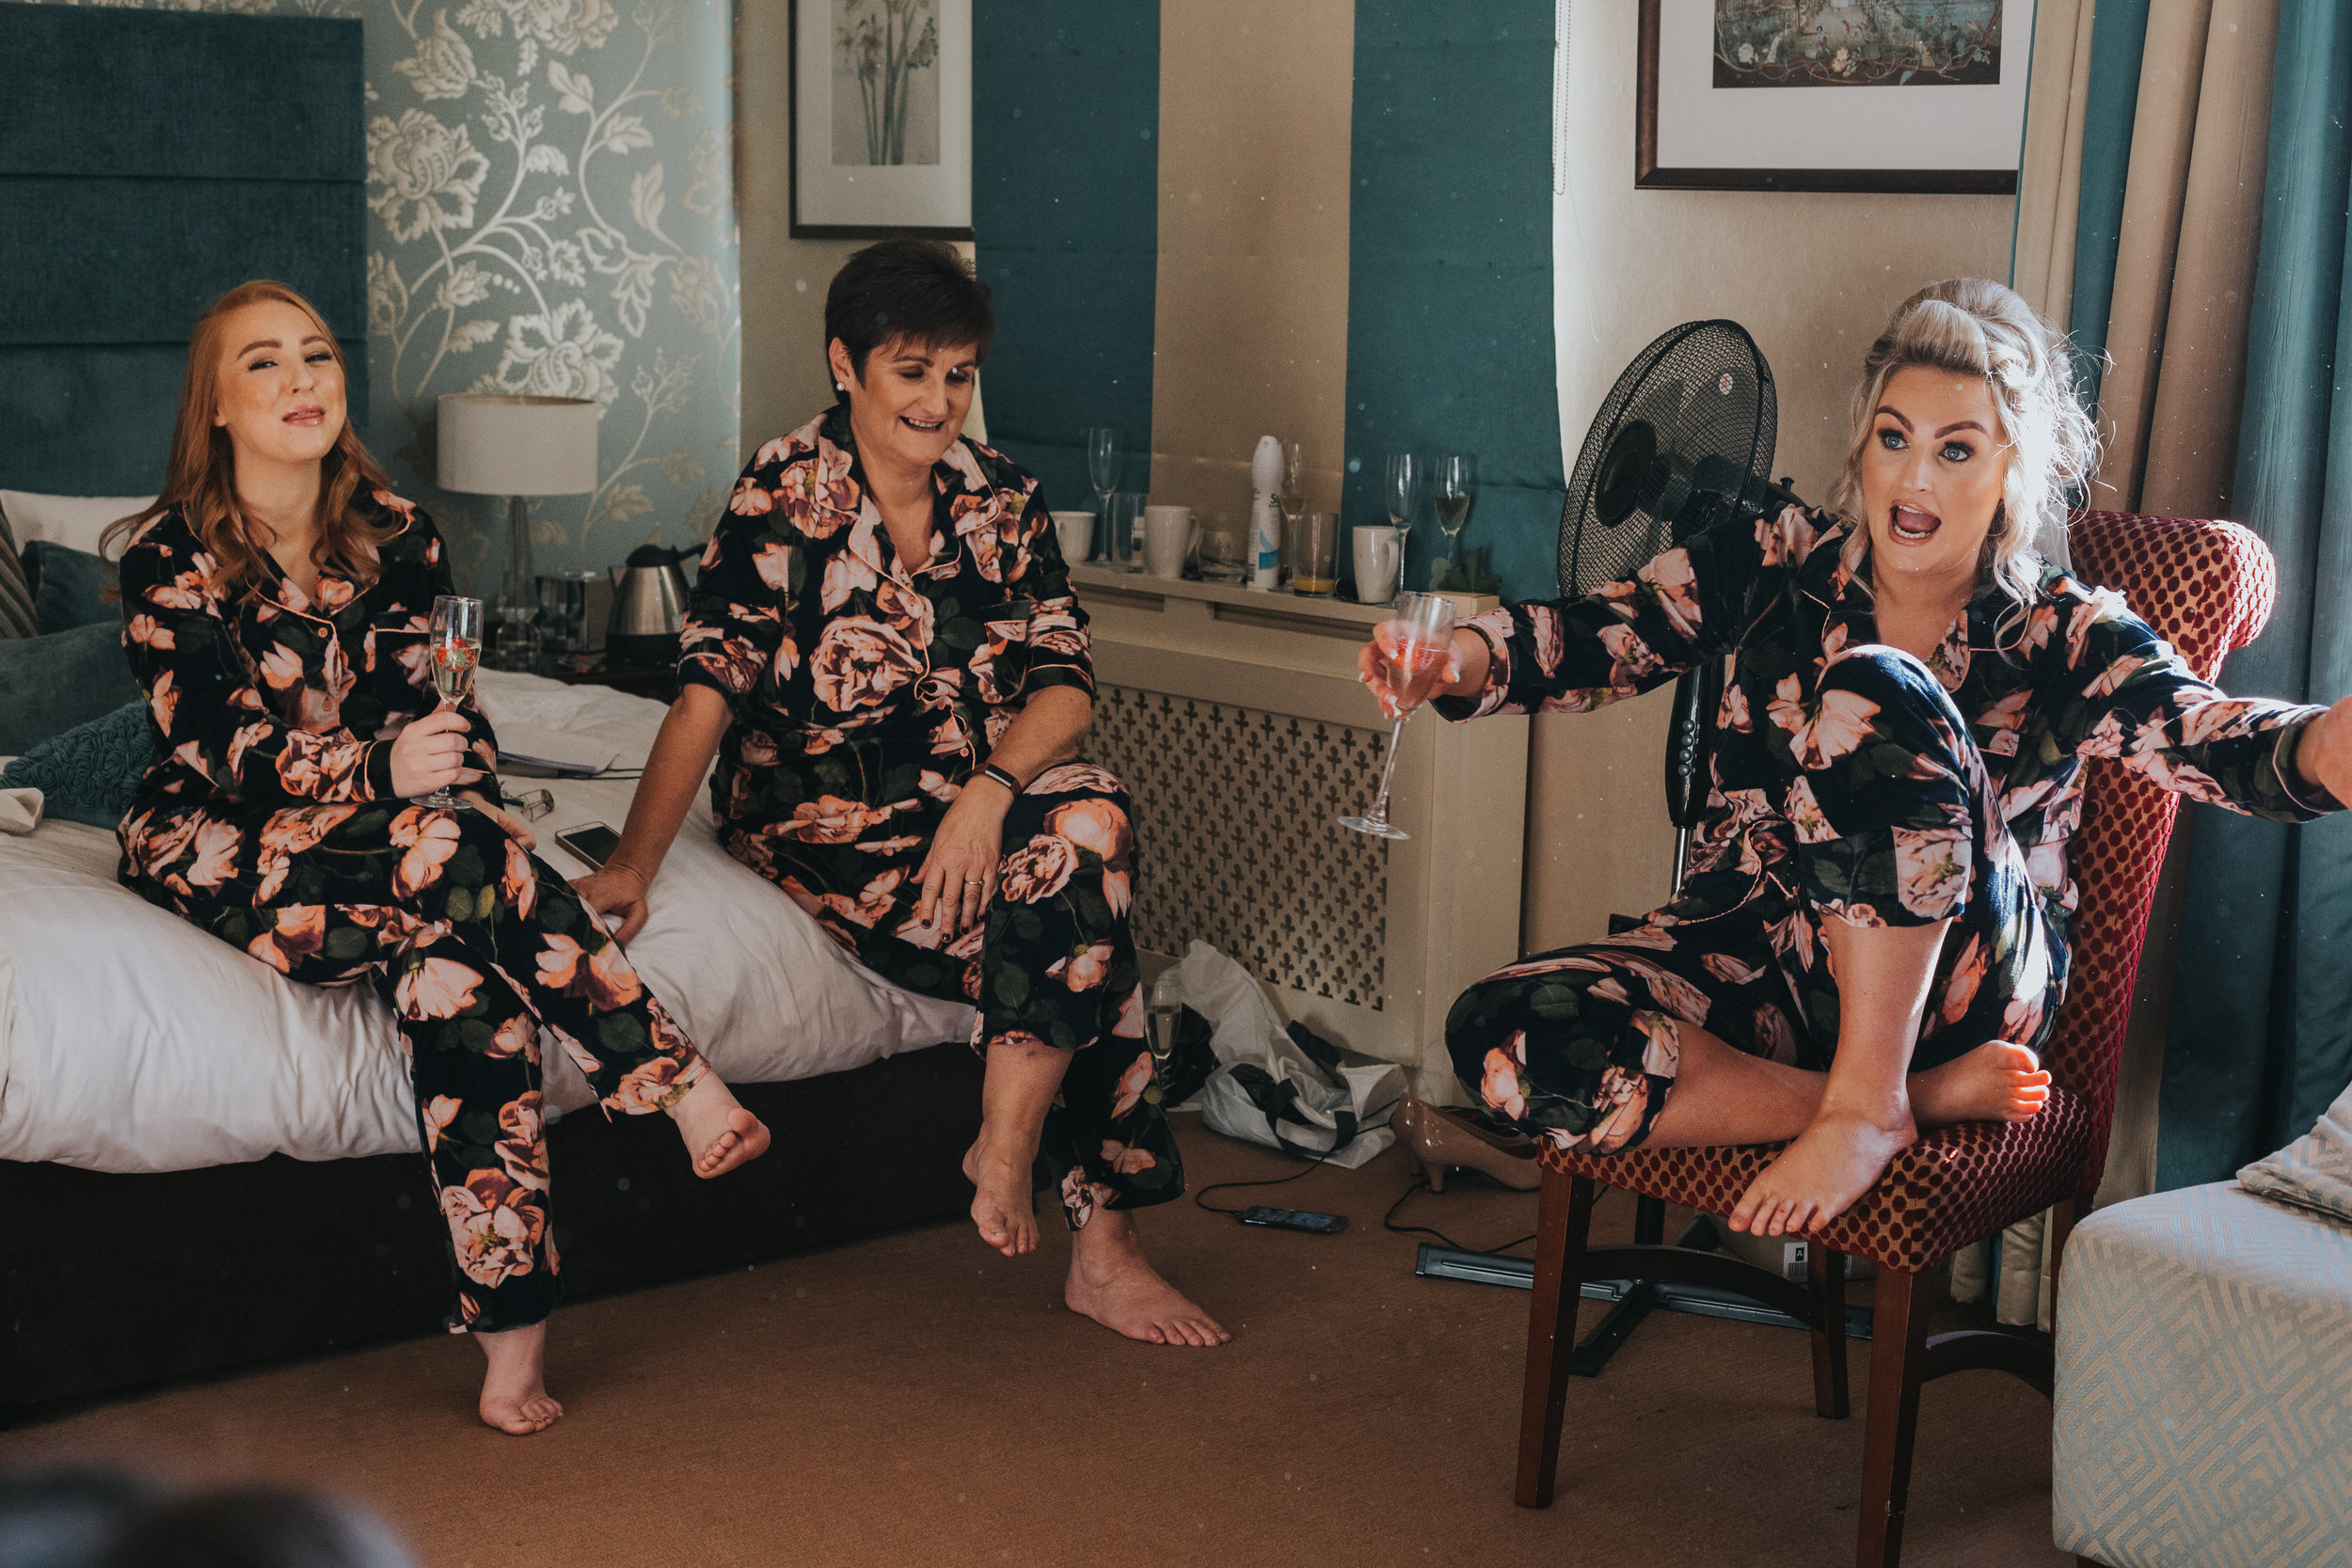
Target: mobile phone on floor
<point x="1294" y="1219"/>
<point x="591" y="841"/>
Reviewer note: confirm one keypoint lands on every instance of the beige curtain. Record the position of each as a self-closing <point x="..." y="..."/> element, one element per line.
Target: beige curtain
<point x="2049" y="178"/>
<point x="2184" y="272"/>
<point x="2167" y="407"/>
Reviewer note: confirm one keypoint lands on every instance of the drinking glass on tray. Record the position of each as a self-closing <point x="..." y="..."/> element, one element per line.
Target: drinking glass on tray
<point x="1414" y="646"/>
<point x="454" y="648"/>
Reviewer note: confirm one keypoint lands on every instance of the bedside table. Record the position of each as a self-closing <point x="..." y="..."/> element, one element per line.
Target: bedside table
<point x="659" y="682"/>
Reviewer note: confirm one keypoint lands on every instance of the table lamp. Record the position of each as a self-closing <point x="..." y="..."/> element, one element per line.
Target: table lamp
<point x="499" y="444"/>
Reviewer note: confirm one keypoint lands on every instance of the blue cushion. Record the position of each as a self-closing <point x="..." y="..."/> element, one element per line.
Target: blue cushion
<point x="49" y="684"/>
<point x="67" y="585"/>
<point x="87" y="773"/>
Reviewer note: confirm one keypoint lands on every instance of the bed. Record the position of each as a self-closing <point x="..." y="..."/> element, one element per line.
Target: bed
<point x="181" y="1125"/>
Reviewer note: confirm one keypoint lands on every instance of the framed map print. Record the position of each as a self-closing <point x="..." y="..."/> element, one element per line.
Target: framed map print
<point x="1816" y="95"/>
<point x="882" y="119"/>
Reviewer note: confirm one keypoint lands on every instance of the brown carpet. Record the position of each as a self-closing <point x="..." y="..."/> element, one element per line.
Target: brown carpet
<point x="917" y="1400"/>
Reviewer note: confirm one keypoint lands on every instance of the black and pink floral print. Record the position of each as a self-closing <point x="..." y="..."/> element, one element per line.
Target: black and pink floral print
<point x="866" y="692"/>
<point x="1851" y="781"/>
<point x="268" y="820"/>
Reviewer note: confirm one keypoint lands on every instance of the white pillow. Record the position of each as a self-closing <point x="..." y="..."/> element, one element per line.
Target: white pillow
<point x="2315" y="1170"/>
<point x="74" y="521"/>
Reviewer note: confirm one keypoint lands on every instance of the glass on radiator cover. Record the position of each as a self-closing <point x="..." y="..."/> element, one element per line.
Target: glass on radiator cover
<point x="453" y="649"/>
<point x="1454" y="485"/>
<point x="1414" y="644"/>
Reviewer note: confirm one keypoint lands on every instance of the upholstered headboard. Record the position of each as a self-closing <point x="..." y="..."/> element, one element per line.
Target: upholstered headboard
<point x="149" y="160"/>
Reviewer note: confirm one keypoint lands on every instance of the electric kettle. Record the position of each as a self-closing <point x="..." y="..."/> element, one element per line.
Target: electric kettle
<point x="648" y="609"/>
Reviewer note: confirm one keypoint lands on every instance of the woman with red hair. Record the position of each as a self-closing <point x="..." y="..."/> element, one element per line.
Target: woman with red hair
<point x="274" y="604"/>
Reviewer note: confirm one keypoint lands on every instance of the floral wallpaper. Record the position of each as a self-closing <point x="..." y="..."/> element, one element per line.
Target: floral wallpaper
<point x="552" y="211"/>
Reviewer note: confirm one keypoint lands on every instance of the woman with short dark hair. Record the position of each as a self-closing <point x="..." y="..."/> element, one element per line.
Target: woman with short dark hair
<point x="886" y="657"/>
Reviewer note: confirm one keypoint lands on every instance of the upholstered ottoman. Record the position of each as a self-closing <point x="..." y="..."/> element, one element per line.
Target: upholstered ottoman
<point x="2204" y="1409"/>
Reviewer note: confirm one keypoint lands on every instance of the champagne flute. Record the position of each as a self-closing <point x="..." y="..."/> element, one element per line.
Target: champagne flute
<point x="1159" y="1017"/>
<point x="454" y="648"/>
<point x="1414" y="644"/>
<point x="1453" y="489"/>
<point x="1408" y="477"/>
<point x="1289" y="496"/>
<point x="1104" y="459"/>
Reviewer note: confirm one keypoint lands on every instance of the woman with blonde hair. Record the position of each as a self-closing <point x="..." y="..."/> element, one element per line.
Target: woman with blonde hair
<point x="1873" y="934"/>
<point x="275" y="601"/>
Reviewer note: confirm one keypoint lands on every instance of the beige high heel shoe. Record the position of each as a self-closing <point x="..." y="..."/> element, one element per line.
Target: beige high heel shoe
<point x="1437" y="1139"/>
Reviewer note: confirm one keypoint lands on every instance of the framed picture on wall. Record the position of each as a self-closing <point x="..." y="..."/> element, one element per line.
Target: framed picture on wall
<point x="1818" y="95"/>
<point x="882" y="119"/>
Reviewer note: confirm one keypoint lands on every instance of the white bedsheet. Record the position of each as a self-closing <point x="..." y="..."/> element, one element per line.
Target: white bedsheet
<point x="131" y="1041"/>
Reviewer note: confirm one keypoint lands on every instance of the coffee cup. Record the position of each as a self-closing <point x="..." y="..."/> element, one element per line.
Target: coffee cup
<point x="1075" y="530"/>
<point x="1170" y="534"/>
<point x="1378" y="556"/>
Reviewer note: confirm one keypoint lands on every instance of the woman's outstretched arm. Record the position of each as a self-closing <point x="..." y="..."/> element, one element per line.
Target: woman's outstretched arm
<point x="665" y="793"/>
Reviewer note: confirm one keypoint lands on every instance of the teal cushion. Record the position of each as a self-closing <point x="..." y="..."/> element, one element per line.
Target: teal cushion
<point x="49" y="684"/>
<point x="87" y="773"/>
<point x="67" y="587"/>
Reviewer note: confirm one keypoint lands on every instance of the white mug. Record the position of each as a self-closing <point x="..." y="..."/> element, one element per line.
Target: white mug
<point x="1170" y="533"/>
<point x="1376" y="562"/>
<point x="1076" y="533"/>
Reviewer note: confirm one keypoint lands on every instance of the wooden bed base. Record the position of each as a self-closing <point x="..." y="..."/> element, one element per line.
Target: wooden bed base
<point x="112" y="1283"/>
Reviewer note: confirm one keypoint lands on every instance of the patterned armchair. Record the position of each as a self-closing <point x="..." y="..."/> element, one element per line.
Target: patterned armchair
<point x="2205" y="586"/>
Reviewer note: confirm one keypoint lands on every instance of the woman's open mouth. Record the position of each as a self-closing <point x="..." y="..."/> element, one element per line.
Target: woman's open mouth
<point x="927" y="427"/>
<point x="309" y="418"/>
<point x="1911" y="526"/>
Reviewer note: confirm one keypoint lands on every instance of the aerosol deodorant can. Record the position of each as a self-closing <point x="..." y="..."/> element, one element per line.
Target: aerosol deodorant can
<point x="1265" y="517"/>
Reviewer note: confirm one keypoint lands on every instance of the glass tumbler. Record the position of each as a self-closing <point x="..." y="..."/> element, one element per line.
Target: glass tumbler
<point x="1315" y="555"/>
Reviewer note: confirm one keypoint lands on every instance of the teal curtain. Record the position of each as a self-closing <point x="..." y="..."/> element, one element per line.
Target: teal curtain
<point x="1066" y="228"/>
<point x="2260" y="1038"/>
<point x="1449" y="286"/>
<point x="2118" y="36"/>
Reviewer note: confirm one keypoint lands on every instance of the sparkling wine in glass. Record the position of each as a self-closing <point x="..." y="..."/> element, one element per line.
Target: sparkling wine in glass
<point x="1106" y="459"/>
<point x="1160" y="1014"/>
<point x="1452" y="488"/>
<point x="453" y="649"/>
<point x="1413" y="644"/>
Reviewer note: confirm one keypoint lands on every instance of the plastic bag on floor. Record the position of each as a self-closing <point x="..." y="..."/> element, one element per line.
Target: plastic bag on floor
<point x="1284" y="1088"/>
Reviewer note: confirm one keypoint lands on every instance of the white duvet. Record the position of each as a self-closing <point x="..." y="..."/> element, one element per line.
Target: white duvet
<point x="131" y="1041"/>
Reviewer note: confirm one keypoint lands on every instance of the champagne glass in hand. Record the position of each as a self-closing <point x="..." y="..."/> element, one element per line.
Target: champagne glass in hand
<point x="454" y="648"/>
<point x="1414" y="646"/>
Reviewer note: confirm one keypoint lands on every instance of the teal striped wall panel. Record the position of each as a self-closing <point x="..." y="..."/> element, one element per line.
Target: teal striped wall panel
<point x="1065" y="227"/>
<point x="1449" y="310"/>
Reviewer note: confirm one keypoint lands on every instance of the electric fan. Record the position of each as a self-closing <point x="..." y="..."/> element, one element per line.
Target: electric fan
<point x="1683" y="441"/>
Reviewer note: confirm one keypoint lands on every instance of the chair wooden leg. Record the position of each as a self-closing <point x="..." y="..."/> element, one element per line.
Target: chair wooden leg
<point x="1828" y="1268"/>
<point x="1898" y="1334"/>
<point x="1563" y="1218"/>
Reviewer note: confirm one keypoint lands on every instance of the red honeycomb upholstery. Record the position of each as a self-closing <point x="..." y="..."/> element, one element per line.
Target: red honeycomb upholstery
<point x="2207" y="587"/>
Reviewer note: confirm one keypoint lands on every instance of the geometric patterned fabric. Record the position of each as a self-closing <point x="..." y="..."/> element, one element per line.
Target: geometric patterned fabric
<point x="2206" y="587"/>
<point x="2202" y="1416"/>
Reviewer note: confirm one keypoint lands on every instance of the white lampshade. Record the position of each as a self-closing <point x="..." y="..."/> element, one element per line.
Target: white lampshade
<point x="495" y="444"/>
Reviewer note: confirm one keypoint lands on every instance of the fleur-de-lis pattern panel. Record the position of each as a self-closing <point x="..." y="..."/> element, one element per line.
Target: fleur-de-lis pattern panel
<point x="1236" y="814"/>
<point x="552" y="211"/>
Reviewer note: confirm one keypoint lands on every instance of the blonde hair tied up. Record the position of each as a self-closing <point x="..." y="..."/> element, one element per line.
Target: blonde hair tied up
<point x="1975" y="327"/>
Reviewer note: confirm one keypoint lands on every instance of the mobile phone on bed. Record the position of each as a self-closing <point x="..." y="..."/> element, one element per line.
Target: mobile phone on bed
<point x="1294" y="1219"/>
<point x="591" y="841"/>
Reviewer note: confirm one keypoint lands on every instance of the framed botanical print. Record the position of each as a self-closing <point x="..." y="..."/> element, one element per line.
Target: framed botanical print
<point x="1822" y="95"/>
<point x="882" y="119"/>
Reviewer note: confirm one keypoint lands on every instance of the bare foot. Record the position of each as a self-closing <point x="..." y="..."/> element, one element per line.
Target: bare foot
<point x="514" y="1391"/>
<point x="1818" y="1178"/>
<point x="1110" y="1282"/>
<point x="719" y="1134"/>
<point x="1995" y="1082"/>
<point x="1003" y="1207"/>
